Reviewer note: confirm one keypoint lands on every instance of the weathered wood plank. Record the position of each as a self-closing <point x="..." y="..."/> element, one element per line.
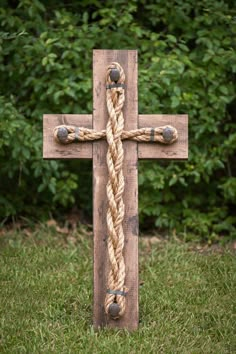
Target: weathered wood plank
<point x="178" y="150"/>
<point x="53" y="150"/>
<point x="128" y="59"/>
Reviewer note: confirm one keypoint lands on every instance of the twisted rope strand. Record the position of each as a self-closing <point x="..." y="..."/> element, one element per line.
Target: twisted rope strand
<point x="115" y="187"/>
<point x="141" y="135"/>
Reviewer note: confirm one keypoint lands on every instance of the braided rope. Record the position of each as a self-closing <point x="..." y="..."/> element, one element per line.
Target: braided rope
<point x="115" y="98"/>
<point x="80" y="134"/>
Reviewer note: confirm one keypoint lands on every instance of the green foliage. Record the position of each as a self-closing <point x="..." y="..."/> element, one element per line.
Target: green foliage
<point x="187" y="64"/>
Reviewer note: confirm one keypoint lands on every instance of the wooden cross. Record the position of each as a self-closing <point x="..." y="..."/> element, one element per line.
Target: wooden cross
<point x="132" y="152"/>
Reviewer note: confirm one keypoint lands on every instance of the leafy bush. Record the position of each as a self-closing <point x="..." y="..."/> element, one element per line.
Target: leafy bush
<point x="187" y="64"/>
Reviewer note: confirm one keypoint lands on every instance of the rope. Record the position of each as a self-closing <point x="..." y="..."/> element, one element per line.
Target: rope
<point x="141" y="135"/>
<point x="115" y="98"/>
<point x="114" y="134"/>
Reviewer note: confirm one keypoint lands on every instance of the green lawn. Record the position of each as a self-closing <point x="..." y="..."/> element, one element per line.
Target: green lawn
<point x="187" y="297"/>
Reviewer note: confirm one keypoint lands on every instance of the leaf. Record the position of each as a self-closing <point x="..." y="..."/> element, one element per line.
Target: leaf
<point x="174" y="101"/>
<point x="173" y="180"/>
<point x="171" y="38"/>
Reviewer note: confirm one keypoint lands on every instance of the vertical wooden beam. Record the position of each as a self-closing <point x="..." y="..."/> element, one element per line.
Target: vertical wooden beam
<point x="128" y="60"/>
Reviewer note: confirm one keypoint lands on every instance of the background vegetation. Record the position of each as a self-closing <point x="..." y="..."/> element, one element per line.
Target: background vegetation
<point x="187" y="64"/>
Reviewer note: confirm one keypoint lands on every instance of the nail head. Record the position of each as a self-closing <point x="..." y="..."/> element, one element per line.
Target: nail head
<point x="168" y="134"/>
<point x="62" y="133"/>
<point x="114" y="74"/>
<point x="114" y="310"/>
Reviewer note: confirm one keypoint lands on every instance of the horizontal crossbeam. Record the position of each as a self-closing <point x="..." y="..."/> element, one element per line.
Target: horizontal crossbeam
<point x="53" y="150"/>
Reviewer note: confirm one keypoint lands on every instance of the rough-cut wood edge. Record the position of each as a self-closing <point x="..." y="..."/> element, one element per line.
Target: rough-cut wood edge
<point x="178" y="150"/>
<point x="53" y="150"/>
<point x="128" y="60"/>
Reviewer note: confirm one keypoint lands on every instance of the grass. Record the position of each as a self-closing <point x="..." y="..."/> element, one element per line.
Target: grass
<point x="187" y="300"/>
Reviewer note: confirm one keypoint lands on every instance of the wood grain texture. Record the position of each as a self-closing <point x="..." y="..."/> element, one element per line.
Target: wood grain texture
<point x="54" y="150"/>
<point x="128" y="60"/>
<point x="177" y="150"/>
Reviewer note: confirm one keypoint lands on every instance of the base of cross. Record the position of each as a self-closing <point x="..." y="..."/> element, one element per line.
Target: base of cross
<point x="96" y="149"/>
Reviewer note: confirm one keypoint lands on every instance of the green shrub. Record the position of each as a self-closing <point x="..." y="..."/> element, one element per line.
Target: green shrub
<point x="187" y="64"/>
